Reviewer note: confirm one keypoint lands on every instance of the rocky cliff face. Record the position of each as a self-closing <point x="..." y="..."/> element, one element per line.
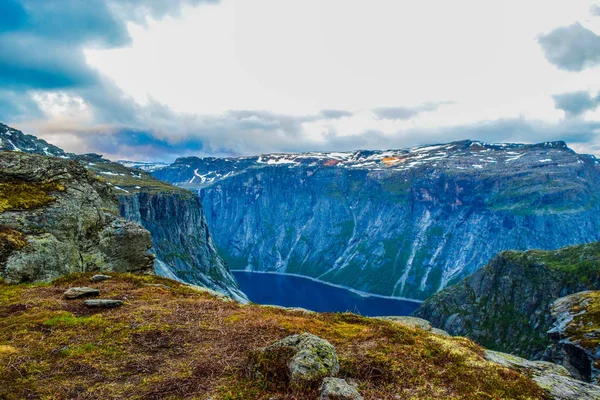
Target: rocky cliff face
<point x="506" y="305"/>
<point x="575" y="335"/>
<point x="174" y="217"/>
<point x="56" y="218"/>
<point x="180" y="237"/>
<point x="404" y="222"/>
<point x="181" y="240"/>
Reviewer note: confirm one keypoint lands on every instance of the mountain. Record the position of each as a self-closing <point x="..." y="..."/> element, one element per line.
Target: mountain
<point x="174" y="217"/>
<point x="14" y="140"/>
<point x="402" y="223"/>
<point x="506" y="305"/>
<point x="56" y="218"/>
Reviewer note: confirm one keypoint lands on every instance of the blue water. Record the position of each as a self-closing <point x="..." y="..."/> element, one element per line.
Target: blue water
<point x="294" y="291"/>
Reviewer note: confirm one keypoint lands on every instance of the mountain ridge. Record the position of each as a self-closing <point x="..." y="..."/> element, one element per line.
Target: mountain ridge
<point x="404" y="223"/>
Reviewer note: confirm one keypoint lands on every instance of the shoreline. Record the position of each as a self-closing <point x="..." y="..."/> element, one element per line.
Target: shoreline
<point x="356" y="291"/>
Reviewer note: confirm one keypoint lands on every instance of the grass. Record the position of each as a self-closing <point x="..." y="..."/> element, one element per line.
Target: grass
<point x="132" y="180"/>
<point x="181" y="343"/>
<point x="580" y="260"/>
<point x="24" y="195"/>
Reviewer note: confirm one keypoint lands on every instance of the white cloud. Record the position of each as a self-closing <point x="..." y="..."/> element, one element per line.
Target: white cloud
<point x="294" y="58"/>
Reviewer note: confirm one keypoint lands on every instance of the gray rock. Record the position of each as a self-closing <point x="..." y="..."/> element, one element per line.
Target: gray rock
<point x="103" y="303"/>
<point x="156" y="285"/>
<point x="412" y="322"/>
<point x="440" y="332"/>
<point x="338" y="389"/>
<point x="524" y="365"/>
<point x="307" y="359"/>
<point x="100" y="278"/>
<point x="77" y="230"/>
<point x="564" y="388"/>
<point x="575" y="335"/>
<point x="77" y="292"/>
<point x="553" y="378"/>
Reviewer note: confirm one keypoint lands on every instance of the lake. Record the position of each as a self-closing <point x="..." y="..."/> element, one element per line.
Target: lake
<point x="295" y="291"/>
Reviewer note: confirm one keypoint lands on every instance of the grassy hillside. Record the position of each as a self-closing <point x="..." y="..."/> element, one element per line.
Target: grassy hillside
<point x="172" y="341"/>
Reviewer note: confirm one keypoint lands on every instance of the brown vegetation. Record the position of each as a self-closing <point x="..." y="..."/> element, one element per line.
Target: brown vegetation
<point x="182" y="343"/>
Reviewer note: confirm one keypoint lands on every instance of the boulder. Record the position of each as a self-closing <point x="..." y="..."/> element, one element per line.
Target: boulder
<point x="102" y="303"/>
<point x="100" y="278"/>
<point x="77" y="292"/>
<point x="300" y="360"/>
<point x="338" y="389"/>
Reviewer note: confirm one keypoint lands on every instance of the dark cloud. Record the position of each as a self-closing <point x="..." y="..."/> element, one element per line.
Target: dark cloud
<point x="571" y="48"/>
<point x="403" y="113"/>
<point x="576" y="103"/>
<point x="336" y="114"/>
<point x="42" y="41"/>
<point x="15" y="105"/>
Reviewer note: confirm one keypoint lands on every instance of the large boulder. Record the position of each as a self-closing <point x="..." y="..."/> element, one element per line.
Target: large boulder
<point x="300" y="360"/>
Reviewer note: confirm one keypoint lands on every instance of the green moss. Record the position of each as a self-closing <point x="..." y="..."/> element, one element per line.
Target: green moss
<point x="27" y="195"/>
<point x="133" y="180"/>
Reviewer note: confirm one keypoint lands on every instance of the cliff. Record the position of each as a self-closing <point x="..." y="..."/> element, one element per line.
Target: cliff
<point x="56" y="218"/>
<point x="174" y="216"/>
<point x="575" y="335"/>
<point x="401" y="222"/>
<point x="506" y="305"/>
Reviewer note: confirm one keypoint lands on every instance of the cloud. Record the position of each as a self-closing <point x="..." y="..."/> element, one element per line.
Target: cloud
<point x="571" y="48"/>
<point x="404" y="113"/>
<point x="41" y="43"/>
<point x="576" y="103"/>
<point x="595" y="10"/>
<point x="336" y="114"/>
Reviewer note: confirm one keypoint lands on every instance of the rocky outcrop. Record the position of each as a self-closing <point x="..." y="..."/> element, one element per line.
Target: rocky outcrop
<point x="554" y="379"/>
<point x="181" y="240"/>
<point x="402" y="222"/>
<point x="575" y="335"/>
<point x="298" y="360"/>
<point x="184" y="247"/>
<point x="56" y="218"/>
<point x="506" y="304"/>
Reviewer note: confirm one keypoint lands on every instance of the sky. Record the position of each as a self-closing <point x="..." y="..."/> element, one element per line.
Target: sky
<point x="158" y="79"/>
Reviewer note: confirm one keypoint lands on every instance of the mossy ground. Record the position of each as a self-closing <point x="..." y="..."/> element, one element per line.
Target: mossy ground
<point x="182" y="343"/>
<point x="132" y="180"/>
<point x="585" y="326"/>
<point x="24" y="195"/>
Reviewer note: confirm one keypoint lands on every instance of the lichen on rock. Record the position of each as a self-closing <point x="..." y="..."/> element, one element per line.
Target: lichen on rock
<point x="300" y="360"/>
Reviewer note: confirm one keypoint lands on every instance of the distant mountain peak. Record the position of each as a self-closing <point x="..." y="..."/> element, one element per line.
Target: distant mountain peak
<point x="14" y="140"/>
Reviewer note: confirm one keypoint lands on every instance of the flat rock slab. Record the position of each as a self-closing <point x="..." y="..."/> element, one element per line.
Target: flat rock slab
<point x="77" y="292"/>
<point x="101" y="303"/>
<point x="100" y="278"/>
<point x="157" y="285"/>
<point x="338" y="389"/>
